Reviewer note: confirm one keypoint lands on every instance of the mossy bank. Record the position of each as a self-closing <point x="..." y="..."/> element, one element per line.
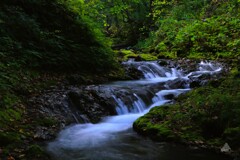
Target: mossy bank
<point x="206" y="117"/>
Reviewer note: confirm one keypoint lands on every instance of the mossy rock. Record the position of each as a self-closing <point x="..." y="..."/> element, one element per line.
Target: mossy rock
<point x="155" y="125"/>
<point x="209" y="115"/>
<point x="148" y="57"/>
<point x="167" y="55"/>
<point x="124" y="54"/>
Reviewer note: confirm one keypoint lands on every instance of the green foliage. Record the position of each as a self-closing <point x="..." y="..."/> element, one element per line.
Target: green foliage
<point x="208" y="114"/>
<point x="41" y="41"/>
<point x="9" y="113"/>
<point x="214" y="37"/>
<point x="195" y="29"/>
<point x="148" y="57"/>
<point x="124" y="55"/>
<point x="123" y="21"/>
<point x="51" y="35"/>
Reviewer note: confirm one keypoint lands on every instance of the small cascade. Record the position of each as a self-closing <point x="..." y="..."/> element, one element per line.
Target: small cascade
<point x="152" y="70"/>
<point x="174" y="73"/>
<point x="121" y="107"/>
<point x="137" y="105"/>
<point x="206" y="68"/>
<point x="160" y="96"/>
<point x="128" y="97"/>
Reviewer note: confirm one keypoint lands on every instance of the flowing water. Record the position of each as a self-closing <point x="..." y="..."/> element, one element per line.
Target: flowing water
<point x="114" y="139"/>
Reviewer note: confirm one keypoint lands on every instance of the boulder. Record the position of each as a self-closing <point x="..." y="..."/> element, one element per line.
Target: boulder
<point x="226" y="148"/>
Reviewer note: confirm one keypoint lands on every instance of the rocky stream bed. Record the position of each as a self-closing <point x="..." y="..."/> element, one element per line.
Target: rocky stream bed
<point x="103" y="111"/>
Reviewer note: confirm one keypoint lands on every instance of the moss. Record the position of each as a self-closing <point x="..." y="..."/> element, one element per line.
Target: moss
<point x="208" y="114"/>
<point x="167" y="55"/>
<point x="9" y="99"/>
<point x="9" y="117"/>
<point x="188" y="136"/>
<point x="126" y="54"/>
<point x="158" y="127"/>
<point x="235" y="72"/>
<point x="148" y="57"/>
<point x="199" y="55"/>
<point x="165" y="131"/>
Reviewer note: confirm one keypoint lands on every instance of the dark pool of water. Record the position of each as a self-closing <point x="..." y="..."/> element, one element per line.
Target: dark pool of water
<point x="129" y="146"/>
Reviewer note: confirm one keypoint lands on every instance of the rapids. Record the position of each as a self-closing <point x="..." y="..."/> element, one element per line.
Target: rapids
<point x="113" y="138"/>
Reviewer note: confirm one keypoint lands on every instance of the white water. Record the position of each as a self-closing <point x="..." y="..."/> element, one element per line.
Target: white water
<point x="206" y="68"/>
<point x="93" y="136"/>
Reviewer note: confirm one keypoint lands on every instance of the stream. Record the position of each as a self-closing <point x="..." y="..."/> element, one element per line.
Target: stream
<point x="113" y="137"/>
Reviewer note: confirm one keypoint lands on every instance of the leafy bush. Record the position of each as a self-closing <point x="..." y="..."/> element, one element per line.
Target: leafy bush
<point x="195" y="29"/>
<point x="49" y="35"/>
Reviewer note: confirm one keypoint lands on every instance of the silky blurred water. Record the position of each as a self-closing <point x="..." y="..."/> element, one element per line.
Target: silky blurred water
<point x="113" y="137"/>
<point x="127" y="145"/>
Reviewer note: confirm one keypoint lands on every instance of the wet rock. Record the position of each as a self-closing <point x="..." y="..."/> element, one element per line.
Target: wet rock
<point x="204" y="79"/>
<point x="44" y="133"/>
<point x="169" y="96"/>
<point x="138" y="58"/>
<point x="195" y="84"/>
<point x="163" y="63"/>
<point x="177" y="83"/>
<point x="132" y="73"/>
<point x="91" y="105"/>
<point x="51" y="105"/>
<point x="226" y="148"/>
<point x="188" y="65"/>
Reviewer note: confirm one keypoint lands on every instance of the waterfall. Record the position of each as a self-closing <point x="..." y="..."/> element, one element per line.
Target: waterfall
<point x="121" y="107"/>
<point x="160" y="95"/>
<point x="90" y="136"/>
<point x="138" y="105"/>
<point x="206" y="68"/>
<point x="152" y="70"/>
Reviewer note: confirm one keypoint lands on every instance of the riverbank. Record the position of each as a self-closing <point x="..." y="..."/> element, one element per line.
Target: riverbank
<point x="24" y="127"/>
<point x="42" y="107"/>
<point x="206" y="117"/>
<point x="163" y="80"/>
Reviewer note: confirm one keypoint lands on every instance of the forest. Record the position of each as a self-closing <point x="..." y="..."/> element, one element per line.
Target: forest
<point x="46" y="43"/>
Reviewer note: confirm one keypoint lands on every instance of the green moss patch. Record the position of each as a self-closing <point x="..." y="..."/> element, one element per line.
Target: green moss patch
<point x="209" y="115"/>
<point x="148" y="57"/>
<point x="124" y="54"/>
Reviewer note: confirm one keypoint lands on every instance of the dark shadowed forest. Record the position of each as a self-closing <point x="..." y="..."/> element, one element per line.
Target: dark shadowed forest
<point x="47" y="44"/>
